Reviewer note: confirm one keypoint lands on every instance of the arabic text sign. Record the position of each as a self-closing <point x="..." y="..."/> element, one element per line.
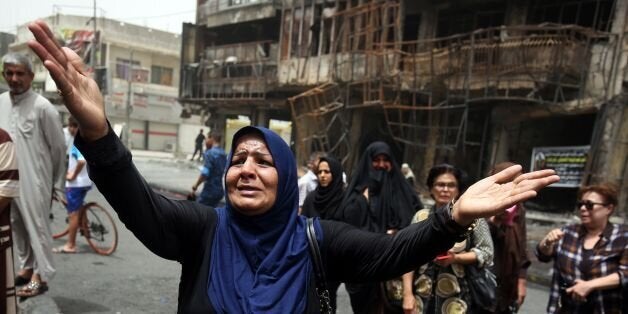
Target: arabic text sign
<point x="567" y="161"/>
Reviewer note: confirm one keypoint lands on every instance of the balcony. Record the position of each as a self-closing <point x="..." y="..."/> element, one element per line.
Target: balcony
<point x="545" y="64"/>
<point x="240" y="72"/>
<point x="214" y="13"/>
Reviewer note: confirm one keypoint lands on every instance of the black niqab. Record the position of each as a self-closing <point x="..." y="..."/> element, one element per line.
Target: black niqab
<point x="392" y="201"/>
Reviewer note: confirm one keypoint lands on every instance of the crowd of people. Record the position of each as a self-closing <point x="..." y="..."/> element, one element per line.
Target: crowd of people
<point x="265" y="248"/>
<point x="590" y="258"/>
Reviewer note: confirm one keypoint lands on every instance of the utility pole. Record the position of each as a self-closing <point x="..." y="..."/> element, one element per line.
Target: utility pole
<point x="94" y="43"/>
<point x="129" y="100"/>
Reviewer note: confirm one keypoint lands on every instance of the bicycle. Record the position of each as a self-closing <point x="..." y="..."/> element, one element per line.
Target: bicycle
<point x="96" y="225"/>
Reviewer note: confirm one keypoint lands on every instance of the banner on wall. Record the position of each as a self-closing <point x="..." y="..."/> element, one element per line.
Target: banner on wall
<point x="567" y="161"/>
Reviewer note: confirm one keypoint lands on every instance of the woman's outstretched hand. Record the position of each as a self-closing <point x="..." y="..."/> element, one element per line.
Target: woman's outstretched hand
<point x="494" y="194"/>
<point x="79" y="91"/>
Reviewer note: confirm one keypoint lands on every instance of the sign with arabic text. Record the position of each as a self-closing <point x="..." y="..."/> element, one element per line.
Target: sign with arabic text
<point x="568" y="162"/>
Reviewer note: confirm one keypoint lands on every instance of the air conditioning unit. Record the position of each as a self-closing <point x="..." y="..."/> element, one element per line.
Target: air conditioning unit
<point x="170" y="147"/>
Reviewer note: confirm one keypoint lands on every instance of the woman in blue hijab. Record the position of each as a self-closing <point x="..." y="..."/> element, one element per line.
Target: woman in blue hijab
<point x="252" y="255"/>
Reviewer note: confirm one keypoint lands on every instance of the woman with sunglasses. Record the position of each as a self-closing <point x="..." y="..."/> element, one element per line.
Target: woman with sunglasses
<point x="590" y="257"/>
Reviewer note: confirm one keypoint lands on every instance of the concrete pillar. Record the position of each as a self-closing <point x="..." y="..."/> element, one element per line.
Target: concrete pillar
<point x="430" y="149"/>
<point x="429" y="20"/>
<point x="259" y="117"/>
<point x="610" y="149"/>
<point x="498" y="144"/>
<point x="516" y="13"/>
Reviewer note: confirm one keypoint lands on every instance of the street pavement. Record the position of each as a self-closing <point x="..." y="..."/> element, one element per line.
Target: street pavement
<point x="134" y="280"/>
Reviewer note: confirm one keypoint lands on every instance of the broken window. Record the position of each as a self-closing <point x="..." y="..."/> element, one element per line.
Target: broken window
<point x="411" y="27"/>
<point x="587" y="13"/>
<point x="459" y="21"/>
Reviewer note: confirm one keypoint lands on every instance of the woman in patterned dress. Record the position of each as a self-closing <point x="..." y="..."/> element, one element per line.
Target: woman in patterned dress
<point x="440" y="286"/>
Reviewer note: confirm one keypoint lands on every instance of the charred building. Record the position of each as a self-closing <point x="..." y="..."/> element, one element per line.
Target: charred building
<point x="468" y="82"/>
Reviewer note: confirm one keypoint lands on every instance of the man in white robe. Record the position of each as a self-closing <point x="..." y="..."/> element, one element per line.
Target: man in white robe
<point x="35" y="127"/>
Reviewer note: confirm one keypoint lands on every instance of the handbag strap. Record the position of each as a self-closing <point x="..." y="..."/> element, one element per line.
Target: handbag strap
<point x="319" y="271"/>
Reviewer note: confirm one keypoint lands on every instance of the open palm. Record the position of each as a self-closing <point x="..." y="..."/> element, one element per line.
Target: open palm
<point x="79" y="91"/>
<point x="492" y="195"/>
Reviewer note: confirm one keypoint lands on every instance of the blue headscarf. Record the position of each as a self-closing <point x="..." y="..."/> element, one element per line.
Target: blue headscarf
<point x="261" y="264"/>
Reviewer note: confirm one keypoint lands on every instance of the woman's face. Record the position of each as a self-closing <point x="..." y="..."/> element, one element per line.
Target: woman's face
<point x="381" y="162"/>
<point x="593" y="209"/>
<point x="252" y="177"/>
<point x="445" y="189"/>
<point x="324" y="174"/>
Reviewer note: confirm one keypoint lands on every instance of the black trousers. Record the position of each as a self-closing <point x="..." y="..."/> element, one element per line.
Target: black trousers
<point x="198" y="149"/>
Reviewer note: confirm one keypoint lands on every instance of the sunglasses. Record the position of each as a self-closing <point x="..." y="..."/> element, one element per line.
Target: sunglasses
<point x="588" y="204"/>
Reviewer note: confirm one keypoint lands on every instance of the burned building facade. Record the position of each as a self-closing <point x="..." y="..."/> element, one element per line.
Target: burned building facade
<point x="468" y="82"/>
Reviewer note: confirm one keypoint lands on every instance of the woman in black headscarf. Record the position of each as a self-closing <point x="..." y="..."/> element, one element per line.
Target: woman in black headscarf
<point x="325" y="201"/>
<point x="379" y="199"/>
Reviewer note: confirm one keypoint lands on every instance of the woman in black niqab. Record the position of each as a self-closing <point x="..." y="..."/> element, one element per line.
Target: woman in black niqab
<point x="391" y="200"/>
<point x="390" y="205"/>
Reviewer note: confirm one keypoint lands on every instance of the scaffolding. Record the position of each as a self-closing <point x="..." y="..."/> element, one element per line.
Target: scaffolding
<point x="426" y="88"/>
<point x="239" y="72"/>
<point x="318" y="117"/>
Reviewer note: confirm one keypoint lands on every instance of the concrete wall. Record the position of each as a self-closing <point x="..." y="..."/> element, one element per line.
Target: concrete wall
<point x="187" y="132"/>
<point x="128" y="34"/>
<point x="6" y="40"/>
<point x="151" y="102"/>
<point x="162" y="136"/>
<point x="236" y="14"/>
<point x="145" y="58"/>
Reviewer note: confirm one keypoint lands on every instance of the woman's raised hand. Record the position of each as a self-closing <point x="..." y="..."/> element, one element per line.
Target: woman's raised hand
<point x="494" y="194"/>
<point x="79" y="91"/>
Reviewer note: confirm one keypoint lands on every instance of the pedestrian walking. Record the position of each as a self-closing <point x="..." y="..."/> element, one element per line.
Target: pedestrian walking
<point x="77" y="184"/>
<point x="590" y="258"/>
<point x="309" y="181"/>
<point x="253" y="254"/>
<point x="444" y="283"/>
<point x="212" y="172"/>
<point x="9" y="189"/>
<point x="35" y="127"/>
<point x="198" y="145"/>
<point x="508" y="231"/>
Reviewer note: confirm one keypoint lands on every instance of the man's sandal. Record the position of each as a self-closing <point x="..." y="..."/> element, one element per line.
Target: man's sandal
<point x="32" y="289"/>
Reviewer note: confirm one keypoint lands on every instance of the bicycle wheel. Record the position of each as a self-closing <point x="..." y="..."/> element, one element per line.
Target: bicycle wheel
<point x="99" y="229"/>
<point x="58" y="217"/>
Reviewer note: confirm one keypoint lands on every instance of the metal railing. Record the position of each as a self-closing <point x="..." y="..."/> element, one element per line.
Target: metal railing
<point x="243" y="71"/>
<point x="545" y="63"/>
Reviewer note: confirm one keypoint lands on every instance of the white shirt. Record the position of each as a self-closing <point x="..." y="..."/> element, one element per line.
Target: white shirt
<point x="82" y="179"/>
<point x="307" y="183"/>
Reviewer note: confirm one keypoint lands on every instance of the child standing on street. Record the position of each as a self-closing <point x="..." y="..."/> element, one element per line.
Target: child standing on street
<point x="76" y="186"/>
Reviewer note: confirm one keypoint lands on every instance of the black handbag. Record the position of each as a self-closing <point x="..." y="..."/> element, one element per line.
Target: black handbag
<point x="319" y="271"/>
<point x="482" y="286"/>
